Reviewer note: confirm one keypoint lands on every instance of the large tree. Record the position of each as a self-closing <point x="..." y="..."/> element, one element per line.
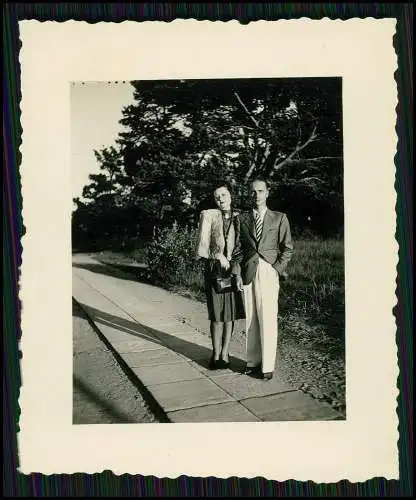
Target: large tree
<point x="181" y="136"/>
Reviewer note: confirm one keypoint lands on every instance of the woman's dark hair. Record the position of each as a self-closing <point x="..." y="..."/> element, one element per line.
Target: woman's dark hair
<point x="218" y="185"/>
<point x="221" y="184"/>
<point x="208" y="200"/>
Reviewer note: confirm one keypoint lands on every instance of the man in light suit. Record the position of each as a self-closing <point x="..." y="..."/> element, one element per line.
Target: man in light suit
<point x="266" y="249"/>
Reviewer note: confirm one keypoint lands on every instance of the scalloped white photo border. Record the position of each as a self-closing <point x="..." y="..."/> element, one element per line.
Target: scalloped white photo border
<point x="361" y="52"/>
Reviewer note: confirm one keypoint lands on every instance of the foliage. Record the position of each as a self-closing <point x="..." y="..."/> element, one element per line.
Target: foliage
<point x="105" y="226"/>
<point x="181" y="136"/>
<point x="192" y="133"/>
<point x="170" y="257"/>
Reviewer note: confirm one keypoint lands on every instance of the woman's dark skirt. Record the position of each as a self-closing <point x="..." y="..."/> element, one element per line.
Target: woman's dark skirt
<point x="222" y="307"/>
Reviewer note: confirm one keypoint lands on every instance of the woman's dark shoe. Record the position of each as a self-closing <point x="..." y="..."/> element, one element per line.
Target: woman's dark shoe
<point x="225" y="364"/>
<point x="214" y="364"/>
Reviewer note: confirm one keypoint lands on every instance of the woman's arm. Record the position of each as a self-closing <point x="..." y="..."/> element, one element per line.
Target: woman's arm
<point x="203" y="245"/>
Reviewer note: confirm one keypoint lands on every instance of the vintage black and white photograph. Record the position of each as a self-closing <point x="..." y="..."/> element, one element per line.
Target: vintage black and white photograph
<point x="209" y="242"/>
<point x="208" y="250"/>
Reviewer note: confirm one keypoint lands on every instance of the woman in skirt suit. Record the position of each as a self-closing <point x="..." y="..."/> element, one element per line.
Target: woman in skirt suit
<point x="217" y="244"/>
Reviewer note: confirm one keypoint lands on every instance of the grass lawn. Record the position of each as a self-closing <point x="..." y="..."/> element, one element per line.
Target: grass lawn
<point x="123" y="258"/>
<point x="315" y="288"/>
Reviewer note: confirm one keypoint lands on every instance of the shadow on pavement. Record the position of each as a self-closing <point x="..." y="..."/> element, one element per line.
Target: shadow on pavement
<point x="199" y="354"/>
<point x="109" y="410"/>
<point x="120" y="271"/>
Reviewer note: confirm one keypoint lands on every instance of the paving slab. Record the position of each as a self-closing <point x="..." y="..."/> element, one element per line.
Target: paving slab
<point x="192" y="352"/>
<point x="223" y="412"/>
<point x="112" y="322"/>
<point x="188" y="394"/>
<point x="139" y="345"/>
<point x="179" y="330"/>
<point x="123" y="306"/>
<point x="187" y="348"/>
<point x="175" y="372"/>
<point x="243" y="387"/>
<point x="193" y="338"/>
<point x="201" y="361"/>
<point x="115" y="335"/>
<point x="87" y="296"/>
<point x="98" y="279"/>
<point x="144" y="332"/>
<point x="172" y="332"/>
<point x="124" y="291"/>
<point x="163" y="324"/>
<point x="289" y="406"/>
<point x="122" y="328"/>
<point x="156" y="357"/>
<point x="156" y="317"/>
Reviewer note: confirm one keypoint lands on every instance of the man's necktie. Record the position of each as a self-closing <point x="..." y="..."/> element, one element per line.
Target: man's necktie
<point x="258" y="227"/>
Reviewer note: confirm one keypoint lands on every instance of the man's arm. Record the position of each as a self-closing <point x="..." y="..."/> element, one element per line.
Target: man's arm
<point x="285" y="246"/>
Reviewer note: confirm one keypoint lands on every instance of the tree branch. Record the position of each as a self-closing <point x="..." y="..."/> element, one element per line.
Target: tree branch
<point x="297" y="150"/>
<point x="299" y="132"/>
<point x="264" y="156"/>
<point x="245" y="109"/>
<point x="250" y="171"/>
<point x="318" y="158"/>
<point x="308" y="179"/>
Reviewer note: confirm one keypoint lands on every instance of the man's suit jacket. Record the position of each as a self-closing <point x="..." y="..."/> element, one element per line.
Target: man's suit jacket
<point x="275" y="245"/>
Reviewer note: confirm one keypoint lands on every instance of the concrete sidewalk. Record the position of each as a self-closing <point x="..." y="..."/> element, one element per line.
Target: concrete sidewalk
<point x="157" y="335"/>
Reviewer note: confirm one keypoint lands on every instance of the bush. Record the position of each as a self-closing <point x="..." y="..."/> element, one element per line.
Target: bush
<point x="171" y="257"/>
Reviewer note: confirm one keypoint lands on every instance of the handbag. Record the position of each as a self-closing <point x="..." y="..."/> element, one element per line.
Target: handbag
<point x="223" y="282"/>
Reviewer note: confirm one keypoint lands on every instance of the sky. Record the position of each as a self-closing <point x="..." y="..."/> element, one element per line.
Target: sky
<point x="95" y="113"/>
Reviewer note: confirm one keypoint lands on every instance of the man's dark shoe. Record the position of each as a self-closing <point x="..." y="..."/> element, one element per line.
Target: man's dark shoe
<point x="267" y="376"/>
<point x="252" y="370"/>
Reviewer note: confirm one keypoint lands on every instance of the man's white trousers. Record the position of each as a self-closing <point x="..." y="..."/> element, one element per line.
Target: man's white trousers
<point x="261" y="303"/>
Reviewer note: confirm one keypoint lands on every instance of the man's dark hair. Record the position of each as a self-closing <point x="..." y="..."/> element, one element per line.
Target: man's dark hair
<point x="260" y="179"/>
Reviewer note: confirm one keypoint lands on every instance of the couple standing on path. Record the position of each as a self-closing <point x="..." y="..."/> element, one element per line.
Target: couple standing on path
<point x="252" y="249"/>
